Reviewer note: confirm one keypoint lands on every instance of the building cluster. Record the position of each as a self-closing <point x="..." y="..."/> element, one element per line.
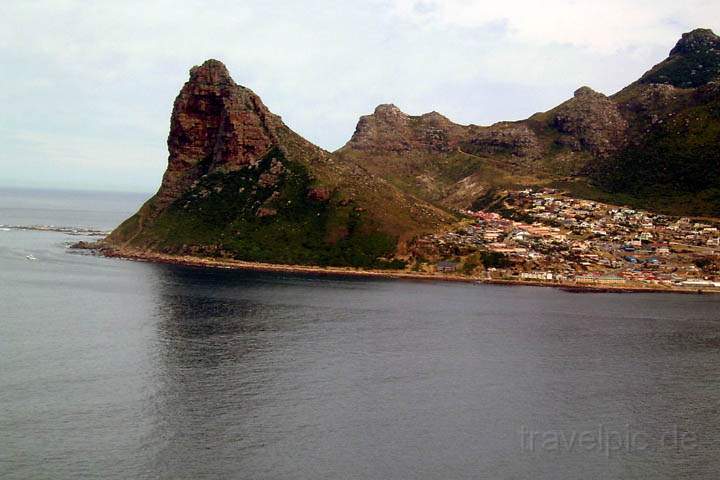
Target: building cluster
<point x="546" y="236"/>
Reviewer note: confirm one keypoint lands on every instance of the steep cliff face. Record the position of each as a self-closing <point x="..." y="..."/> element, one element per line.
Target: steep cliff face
<point x="216" y="124"/>
<point x="241" y="184"/>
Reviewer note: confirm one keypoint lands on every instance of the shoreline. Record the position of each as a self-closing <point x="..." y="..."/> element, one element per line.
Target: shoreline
<point x="229" y="264"/>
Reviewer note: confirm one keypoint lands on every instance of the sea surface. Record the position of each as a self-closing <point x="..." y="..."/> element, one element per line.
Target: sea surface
<point x="112" y="369"/>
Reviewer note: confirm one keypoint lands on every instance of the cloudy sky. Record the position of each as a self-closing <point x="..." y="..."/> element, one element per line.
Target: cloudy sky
<point x="87" y="87"/>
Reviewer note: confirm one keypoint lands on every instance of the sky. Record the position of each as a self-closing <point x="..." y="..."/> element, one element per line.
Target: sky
<point x="86" y="88"/>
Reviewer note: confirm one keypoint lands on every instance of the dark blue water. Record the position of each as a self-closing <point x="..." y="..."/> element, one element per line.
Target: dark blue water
<point x="116" y="369"/>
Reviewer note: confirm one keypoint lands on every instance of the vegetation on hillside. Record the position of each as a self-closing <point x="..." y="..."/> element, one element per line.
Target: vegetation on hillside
<point x="676" y="164"/>
<point x="244" y="215"/>
<point x="694" y="62"/>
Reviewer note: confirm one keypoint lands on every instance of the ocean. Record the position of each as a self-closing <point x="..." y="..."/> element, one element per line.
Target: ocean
<point x="113" y="369"/>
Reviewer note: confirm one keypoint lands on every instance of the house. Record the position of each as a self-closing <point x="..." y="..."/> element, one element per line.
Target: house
<point x="536" y="276"/>
<point x="662" y="249"/>
<point x="585" y="279"/>
<point x="447" y="266"/>
<point x="521" y="235"/>
<point x="610" y="280"/>
<point x="697" y="282"/>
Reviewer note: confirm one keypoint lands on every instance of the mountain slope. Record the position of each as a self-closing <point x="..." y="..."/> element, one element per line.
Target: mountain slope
<point x="429" y="155"/>
<point x="655" y="144"/>
<point x="693" y="62"/>
<point x="241" y="184"/>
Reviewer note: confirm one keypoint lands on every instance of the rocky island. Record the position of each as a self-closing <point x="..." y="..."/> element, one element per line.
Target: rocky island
<point x="620" y="191"/>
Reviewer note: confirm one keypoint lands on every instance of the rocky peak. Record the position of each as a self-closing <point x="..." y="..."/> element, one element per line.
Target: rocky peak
<point x="388" y="110"/>
<point x="211" y="72"/>
<point x="386" y="129"/>
<point x="390" y="130"/>
<point x="697" y="41"/>
<point x="437" y="120"/>
<point x="586" y="92"/>
<point x="215" y="125"/>
<point x="434" y="117"/>
<point x="592" y="121"/>
<point x="693" y="62"/>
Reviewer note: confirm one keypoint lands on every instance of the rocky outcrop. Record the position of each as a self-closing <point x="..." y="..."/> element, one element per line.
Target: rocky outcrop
<point x="590" y="121"/>
<point x="319" y="194"/>
<point x="390" y="130"/>
<point x="651" y="104"/>
<point x="215" y="125"/>
<point x="386" y="129"/>
<point x="509" y="138"/>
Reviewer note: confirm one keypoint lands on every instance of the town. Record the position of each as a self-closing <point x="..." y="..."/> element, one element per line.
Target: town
<point x="548" y="237"/>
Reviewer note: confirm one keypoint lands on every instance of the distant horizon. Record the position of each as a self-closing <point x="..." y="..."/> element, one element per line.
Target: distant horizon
<point x="68" y="189"/>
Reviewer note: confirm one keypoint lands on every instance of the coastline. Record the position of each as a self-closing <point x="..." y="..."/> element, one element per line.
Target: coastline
<point x="205" y="262"/>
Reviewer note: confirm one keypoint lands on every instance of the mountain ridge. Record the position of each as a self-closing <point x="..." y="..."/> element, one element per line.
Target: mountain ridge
<point x="585" y="143"/>
<point x="241" y="184"/>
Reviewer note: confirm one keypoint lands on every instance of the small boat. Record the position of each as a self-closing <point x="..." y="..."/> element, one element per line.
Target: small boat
<point x="31" y="257"/>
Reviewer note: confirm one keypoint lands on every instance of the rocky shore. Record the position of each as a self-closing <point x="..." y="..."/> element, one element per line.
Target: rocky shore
<point x="225" y="263"/>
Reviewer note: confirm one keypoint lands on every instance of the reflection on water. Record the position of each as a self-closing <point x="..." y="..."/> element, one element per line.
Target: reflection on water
<point x="115" y="369"/>
<point x="202" y="342"/>
<point x="307" y="377"/>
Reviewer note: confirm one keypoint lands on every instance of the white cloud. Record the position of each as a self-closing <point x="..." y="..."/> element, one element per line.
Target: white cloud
<point x="604" y="26"/>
